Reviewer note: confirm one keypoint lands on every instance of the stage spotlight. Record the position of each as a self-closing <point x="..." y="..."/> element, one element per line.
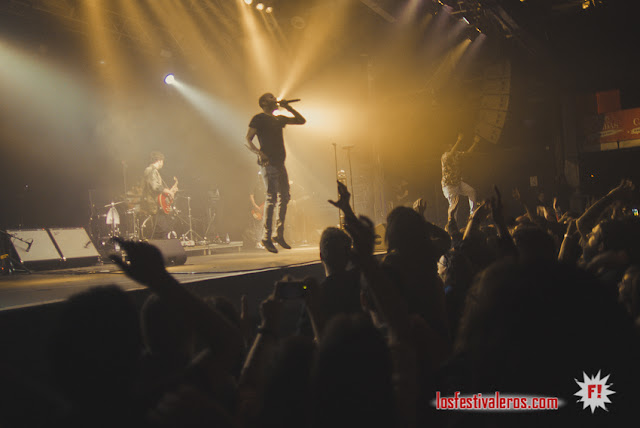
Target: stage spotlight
<point x="260" y="6"/>
<point x="269" y="9"/>
<point x="169" y="79"/>
<point x="248" y="1"/>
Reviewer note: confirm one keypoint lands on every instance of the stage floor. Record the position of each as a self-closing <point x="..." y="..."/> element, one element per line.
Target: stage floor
<point x="22" y="289"/>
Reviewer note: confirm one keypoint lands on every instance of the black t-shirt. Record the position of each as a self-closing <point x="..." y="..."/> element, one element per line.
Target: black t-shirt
<point x="269" y="131"/>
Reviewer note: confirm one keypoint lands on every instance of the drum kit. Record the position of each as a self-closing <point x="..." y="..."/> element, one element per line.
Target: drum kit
<point x="127" y="219"/>
<point x="116" y="220"/>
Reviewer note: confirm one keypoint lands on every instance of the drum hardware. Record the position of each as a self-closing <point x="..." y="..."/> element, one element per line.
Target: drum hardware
<point x="214" y="198"/>
<point x="112" y="218"/>
<point x="135" y="233"/>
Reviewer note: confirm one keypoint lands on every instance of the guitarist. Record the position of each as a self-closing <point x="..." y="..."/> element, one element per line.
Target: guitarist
<point x="154" y="188"/>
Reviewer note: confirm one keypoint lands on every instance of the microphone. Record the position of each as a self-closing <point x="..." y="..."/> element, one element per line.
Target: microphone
<point x="29" y="245"/>
<point x="295" y="100"/>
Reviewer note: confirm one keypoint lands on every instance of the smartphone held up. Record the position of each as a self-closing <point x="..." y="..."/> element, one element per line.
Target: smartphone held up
<point x="291" y="289"/>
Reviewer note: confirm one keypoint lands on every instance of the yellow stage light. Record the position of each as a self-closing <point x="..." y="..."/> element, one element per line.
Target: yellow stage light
<point x="260" y="6"/>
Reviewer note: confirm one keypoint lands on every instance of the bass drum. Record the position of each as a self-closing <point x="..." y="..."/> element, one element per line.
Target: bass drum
<point x="150" y="230"/>
<point x="147" y="227"/>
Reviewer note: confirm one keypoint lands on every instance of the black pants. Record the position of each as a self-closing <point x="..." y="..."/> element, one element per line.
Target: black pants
<point x="276" y="180"/>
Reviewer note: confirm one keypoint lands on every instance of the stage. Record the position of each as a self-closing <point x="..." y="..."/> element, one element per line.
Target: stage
<point x="20" y="290"/>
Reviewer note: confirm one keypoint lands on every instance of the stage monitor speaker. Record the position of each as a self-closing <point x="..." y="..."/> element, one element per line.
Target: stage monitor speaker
<point x="172" y="251"/>
<point x="35" y="249"/>
<point x="380" y="230"/>
<point x="75" y="246"/>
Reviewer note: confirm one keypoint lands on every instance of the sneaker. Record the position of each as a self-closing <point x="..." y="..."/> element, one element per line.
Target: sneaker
<point x="268" y="245"/>
<point x="260" y="246"/>
<point x="280" y="241"/>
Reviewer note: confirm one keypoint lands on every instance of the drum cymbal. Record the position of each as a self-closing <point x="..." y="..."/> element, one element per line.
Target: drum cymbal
<point x="113" y="204"/>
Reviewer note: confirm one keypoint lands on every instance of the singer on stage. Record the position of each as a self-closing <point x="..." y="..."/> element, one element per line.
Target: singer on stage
<point x="271" y="157"/>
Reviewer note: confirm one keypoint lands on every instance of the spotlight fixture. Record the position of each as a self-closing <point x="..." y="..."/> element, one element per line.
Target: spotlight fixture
<point x="169" y="79"/>
<point x="269" y="9"/>
<point x="248" y="1"/>
<point x="260" y="6"/>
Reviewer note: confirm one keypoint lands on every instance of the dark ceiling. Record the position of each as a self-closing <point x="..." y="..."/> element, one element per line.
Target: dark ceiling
<point x="592" y="45"/>
<point x="583" y="45"/>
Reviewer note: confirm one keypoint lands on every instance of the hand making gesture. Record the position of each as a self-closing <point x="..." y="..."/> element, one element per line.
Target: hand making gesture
<point x="419" y="206"/>
<point x="496" y="208"/>
<point x="343" y="198"/>
<point x="144" y="262"/>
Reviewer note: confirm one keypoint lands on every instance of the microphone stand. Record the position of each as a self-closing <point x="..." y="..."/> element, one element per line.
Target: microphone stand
<point x="190" y="232"/>
<point x="124" y="176"/>
<point x="335" y="155"/>
<point x="353" y="197"/>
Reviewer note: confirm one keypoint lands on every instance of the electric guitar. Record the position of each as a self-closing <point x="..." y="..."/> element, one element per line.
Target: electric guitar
<point x="165" y="200"/>
<point x="257" y="213"/>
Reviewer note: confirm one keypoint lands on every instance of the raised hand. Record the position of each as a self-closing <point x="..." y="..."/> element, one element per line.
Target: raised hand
<point x="271" y="313"/>
<point x="572" y="228"/>
<point x="144" y="262"/>
<point x="343" y="198"/>
<point x="245" y="319"/>
<point x="419" y="206"/>
<point x="362" y="233"/>
<point x="495" y="206"/>
<point x="284" y="104"/>
<point x="623" y="191"/>
<point x="481" y="212"/>
<point x="516" y="194"/>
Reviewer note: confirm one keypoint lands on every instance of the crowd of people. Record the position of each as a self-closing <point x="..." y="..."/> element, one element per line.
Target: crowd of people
<point x="517" y="304"/>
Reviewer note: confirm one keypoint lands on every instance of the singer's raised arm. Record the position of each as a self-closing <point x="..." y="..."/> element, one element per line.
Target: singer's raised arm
<point x="297" y="118"/>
